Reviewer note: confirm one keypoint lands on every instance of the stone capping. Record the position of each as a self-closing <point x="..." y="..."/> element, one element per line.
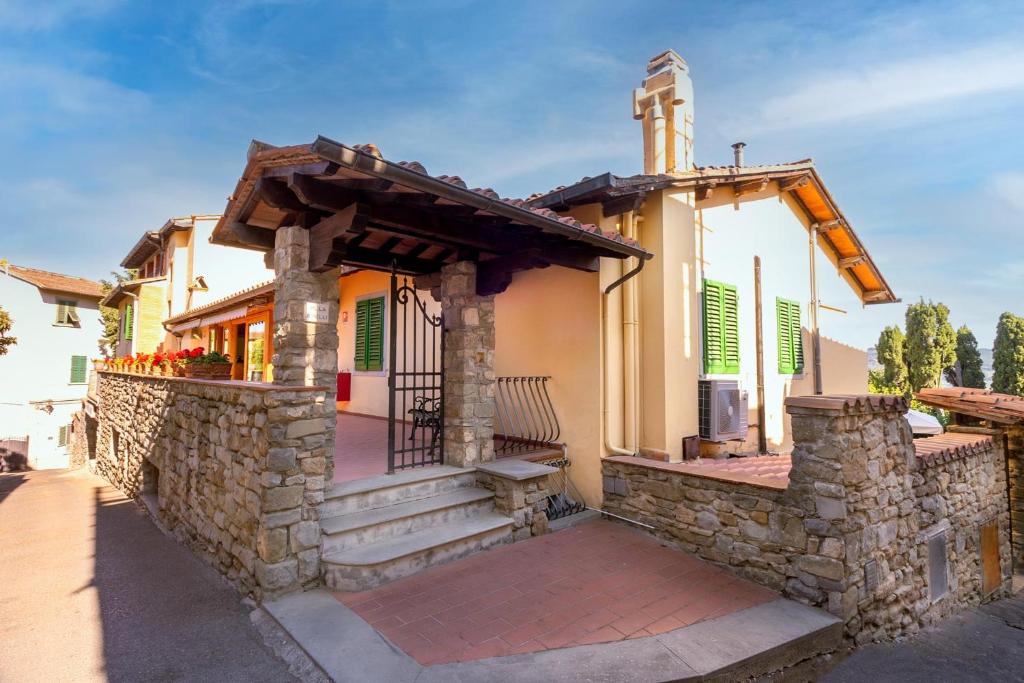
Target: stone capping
<point x="226" y="383"/>
<point x="943" y="448"/>
<point x="516" y="470"/>
<point x="845" y="403"/>
<point x="685" y="470"/>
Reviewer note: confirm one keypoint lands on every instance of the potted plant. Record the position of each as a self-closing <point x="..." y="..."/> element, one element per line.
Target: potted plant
<point x="212" y="365"/>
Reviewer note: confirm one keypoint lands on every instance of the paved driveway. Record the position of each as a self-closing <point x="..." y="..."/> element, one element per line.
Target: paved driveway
<point x="983" y="644"/>
<point x="91" y="590"/>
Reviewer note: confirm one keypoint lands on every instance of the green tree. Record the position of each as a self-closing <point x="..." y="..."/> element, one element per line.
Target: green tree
<point x="930" y="344"/>
<point x="6" y="340"/>
<point x="890" y="350"/>
<point x="110" y="318"/>
<point x="967" y="370"/>
<point x="1008" y="355"/>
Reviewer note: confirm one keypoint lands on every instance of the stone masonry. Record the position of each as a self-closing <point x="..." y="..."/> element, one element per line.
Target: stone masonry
<point x="1015" y="463"/>
<point x="306" y="327"/>
<point x="850" y="533"/>
<point x="236" y="470"/>
<point x="520" y="492"/>
<point x="469" y="367"/>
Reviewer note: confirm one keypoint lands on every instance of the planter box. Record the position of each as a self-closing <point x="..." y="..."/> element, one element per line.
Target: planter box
<point x="208" y="370"/>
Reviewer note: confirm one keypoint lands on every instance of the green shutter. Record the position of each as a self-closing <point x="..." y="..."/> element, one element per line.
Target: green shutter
<point x="78" y="369"/>
<point x="62" y="311"/>
<point x="375" y="335"/>
<point x="129" y="322"/>
<point x="791" y="345"/>
<point x="362" y="308"/>
<point x="721" y="328"/>
<point x="62" y="436"/>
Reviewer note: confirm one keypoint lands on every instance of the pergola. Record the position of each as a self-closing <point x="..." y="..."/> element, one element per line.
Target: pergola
<point x="362" y="210"/>
<point x="320" y="206"/>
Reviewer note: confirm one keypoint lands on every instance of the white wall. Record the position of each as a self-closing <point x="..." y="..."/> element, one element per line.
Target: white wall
<point x="226" y="269"/>
<point x="770" y="228"/>
<point x="38" y="367"/>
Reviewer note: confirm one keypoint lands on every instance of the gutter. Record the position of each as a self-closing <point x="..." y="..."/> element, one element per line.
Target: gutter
<point x="380" y="168"/>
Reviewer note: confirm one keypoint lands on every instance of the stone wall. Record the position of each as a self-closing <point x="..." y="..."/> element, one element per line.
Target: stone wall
<point x="1015" y="464"/>
<point x="850" y="532"/>
<point x="955" y="495"/>
<point x="235" y="470"/>
<point x="82" y="439"/>
<point x="520" y="492"/>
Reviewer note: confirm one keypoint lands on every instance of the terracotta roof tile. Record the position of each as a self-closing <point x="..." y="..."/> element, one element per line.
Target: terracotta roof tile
<point x="941" y="448"/>
<point x="56" y="282"/>
<point x="980" y="403"/>
<point x="847" y="402"/>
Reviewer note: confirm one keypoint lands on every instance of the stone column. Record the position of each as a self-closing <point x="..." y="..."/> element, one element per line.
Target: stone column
<point x="468" y="366"/>
<point x="306" y="329"/>
<point x="851" y="475"/>
<point x="1015" y="488"/>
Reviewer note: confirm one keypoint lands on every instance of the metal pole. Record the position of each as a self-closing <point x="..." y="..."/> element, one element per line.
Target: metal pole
<point x="392" y="356"/>
<point x="762" y="437"/>
<point x="815" y="334"/>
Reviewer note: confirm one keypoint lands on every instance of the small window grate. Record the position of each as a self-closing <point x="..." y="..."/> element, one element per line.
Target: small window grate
<point x="938" y="567"/>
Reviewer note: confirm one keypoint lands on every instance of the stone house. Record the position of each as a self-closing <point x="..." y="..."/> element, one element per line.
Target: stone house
<point x="43" y="377"/>
<point x="575" y="328"/>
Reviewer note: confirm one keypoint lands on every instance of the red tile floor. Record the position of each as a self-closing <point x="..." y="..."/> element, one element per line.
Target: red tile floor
<point x="360" y="447"/>
<point x="593" y="583"/>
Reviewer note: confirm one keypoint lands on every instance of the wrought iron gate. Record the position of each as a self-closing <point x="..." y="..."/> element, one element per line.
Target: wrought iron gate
<point x="415" y="381"/>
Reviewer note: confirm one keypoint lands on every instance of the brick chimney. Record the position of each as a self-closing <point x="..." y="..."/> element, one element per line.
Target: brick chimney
<point x="665" y="106"/>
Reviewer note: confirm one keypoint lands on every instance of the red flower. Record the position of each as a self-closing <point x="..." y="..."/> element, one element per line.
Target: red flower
<point x="158" y="358"/>
<point x="196" y="352"/>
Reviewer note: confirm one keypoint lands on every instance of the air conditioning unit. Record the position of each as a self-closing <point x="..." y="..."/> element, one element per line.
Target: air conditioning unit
<point x="722" y="409"/>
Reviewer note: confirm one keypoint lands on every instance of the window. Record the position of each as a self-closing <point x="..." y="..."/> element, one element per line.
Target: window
<point x="791" y="343"/>
<point x="128" y="322"/>
<point x="721" y="328"/>
<point x="62" y="436"/>
<point x="78" y="369"/>
<point x="67" y="313"/>
<point x="369" y="344"/>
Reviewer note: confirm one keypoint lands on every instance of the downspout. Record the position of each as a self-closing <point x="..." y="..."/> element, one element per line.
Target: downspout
<point x="630" y="341"/>
<point x="815" y="333"/>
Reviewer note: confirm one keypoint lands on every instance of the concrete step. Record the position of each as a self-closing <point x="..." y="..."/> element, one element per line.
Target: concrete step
<point x="391" y="489"/>
<point x="378" y="524"/>
<point x="367" y="566"/>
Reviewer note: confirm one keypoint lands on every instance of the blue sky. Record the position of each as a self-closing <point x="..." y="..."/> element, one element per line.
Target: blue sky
<point x="118" y="115"/>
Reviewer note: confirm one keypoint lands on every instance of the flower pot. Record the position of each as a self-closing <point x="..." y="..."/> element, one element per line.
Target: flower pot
<point x="208" y="370"/>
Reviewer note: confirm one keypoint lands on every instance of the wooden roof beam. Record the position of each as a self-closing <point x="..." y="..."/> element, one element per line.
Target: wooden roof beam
<point x="790" y="184"/>
<point x="851" y="261"/>
<point x="750" y="186"/>
<point x="323" y="235"/>
<point x="825" y="226"/>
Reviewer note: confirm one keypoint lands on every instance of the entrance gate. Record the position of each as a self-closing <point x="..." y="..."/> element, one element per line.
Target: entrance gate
<point x="415" y="381"/>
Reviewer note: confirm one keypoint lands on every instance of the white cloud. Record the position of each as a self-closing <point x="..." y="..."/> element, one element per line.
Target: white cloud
<point x="1009" y="188"/>
<point x="884" y="88"/>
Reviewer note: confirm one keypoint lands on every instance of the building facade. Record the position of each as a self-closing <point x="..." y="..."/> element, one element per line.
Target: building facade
<point x="43" y="378"/>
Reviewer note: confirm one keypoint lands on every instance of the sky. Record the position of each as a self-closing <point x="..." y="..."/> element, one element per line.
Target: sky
<point x="116" y="116"/>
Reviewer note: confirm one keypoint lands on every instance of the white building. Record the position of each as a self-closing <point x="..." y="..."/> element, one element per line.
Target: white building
<point x="43" y="377"/>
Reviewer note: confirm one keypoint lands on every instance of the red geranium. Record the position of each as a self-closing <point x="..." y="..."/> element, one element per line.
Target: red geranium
<point x="196" y="352"/>
<point x="157" y="359"/>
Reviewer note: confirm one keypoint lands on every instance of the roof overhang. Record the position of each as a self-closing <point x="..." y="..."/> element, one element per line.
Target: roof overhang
<point x="979" y="403"/>
<point x="152" y="240"/>
<point x="257" y="295"/>
<point x="800" y="180"/>
<point x="127" y="288"/>
<point x="367" y="212"/>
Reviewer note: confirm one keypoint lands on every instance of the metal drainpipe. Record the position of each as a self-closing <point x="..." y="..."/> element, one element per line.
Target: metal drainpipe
<point x="604" y="328"/>
<point x="815" y="333"/>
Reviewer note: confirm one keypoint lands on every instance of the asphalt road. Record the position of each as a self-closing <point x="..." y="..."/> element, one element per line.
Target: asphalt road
<point x="91" y="590"/>
<point x="982" y="644"/>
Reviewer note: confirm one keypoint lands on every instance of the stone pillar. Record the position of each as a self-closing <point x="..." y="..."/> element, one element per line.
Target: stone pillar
<point x="852" y="476"/>
<point x="468" y="366"/>
<point x="1015" y="488"/>
<point x="306" y="329"/>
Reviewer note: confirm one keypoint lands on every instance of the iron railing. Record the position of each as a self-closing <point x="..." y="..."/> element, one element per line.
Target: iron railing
<point x="525" y="415"/>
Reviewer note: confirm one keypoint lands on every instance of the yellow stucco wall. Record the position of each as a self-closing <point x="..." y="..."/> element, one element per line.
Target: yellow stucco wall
<point x="547" y="323"/>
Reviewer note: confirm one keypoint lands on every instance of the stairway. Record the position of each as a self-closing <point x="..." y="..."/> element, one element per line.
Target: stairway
<point x="380" y="529"/>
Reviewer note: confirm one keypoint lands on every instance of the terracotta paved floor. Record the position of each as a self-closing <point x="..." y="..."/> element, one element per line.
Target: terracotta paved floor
<point x="593" y="583"/>
<point x="360" y="448"/>
<point x="766" y="471"/>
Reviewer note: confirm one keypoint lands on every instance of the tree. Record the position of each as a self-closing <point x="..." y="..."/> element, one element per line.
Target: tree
<point x="890" y="350"/>
<point x="1008" y="355"/>
<point x="6" y="340"/>
<point x="967" y="370"/>
<point x="110" y="318"/>
<point x="930" y="344"/>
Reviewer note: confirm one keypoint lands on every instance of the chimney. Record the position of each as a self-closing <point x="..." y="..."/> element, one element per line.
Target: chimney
<point x="737" y="153"/>
<point x="664" y="104"/>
